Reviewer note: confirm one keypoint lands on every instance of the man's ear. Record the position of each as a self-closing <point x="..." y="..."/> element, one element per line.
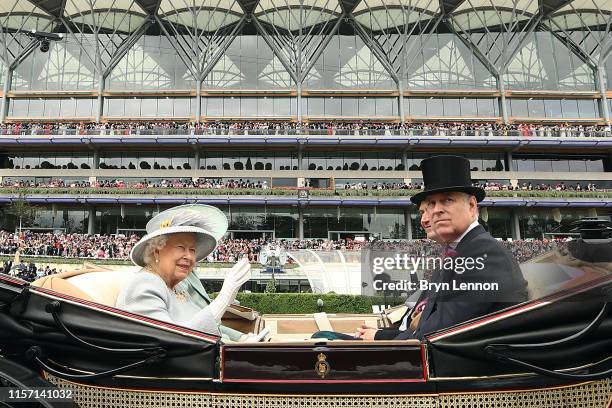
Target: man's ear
<point x="473" y="204"/>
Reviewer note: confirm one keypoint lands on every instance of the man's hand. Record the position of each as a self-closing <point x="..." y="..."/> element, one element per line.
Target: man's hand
<point x="366" y="332"/>
<point x="416" y="318"/>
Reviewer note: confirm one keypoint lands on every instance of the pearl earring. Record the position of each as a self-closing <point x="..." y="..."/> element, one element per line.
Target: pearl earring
<point x="157" y="261"/>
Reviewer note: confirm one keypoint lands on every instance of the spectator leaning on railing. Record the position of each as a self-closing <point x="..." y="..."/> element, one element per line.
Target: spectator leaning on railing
<point x="321" y="128"/>
<point x="248" y="184"/>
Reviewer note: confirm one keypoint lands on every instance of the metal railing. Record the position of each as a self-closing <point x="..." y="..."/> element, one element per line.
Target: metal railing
<point x="407" y="132"/>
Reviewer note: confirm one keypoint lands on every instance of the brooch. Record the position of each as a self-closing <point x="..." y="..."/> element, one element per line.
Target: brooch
<point x="181" y="296"/>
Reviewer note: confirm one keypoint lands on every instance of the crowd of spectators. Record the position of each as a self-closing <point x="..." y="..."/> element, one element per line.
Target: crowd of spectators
<point x="67" y="245"/>
<point x="529" y="186"/>
<point x="523" y="250"/>
<point x="218" y="183"/>
<point x="140" y="184"/>
<point x="379" y="185"/>
<point x="329" y="128"/>
<point x="228" y="250"/>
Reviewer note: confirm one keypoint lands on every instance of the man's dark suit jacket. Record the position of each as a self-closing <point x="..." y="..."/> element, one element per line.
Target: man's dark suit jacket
<point x="449" y="308"/>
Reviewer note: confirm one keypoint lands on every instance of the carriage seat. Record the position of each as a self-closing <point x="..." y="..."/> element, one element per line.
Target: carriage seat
<point x="95" y="284"/>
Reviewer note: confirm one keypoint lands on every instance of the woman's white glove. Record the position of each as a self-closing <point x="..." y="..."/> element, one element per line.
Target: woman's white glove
<point x="236" y="277"/>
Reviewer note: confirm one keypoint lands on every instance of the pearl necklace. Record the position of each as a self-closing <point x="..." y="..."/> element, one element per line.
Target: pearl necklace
<point x="180" y="295"/>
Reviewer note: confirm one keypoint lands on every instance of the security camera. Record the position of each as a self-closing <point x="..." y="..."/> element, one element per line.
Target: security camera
<point x="44" y="45"/>
<point x="44" y="38"/>
<point x="41" y="35"/>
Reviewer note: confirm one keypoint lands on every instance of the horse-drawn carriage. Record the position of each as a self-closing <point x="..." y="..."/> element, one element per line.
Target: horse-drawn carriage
<point x="553" y="350"/>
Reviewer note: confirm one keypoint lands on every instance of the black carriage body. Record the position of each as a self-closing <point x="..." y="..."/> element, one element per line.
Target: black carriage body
<point x="453" y="360"/>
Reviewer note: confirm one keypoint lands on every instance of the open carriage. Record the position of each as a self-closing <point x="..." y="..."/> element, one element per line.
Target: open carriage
<point x="555" y="350"/>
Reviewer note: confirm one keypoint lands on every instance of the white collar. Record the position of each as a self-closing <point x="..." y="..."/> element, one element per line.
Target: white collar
<point x="471" y="227"/>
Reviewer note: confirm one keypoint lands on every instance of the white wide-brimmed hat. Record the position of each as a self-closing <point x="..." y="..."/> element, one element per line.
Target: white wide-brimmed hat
<point x="208" y="223"/>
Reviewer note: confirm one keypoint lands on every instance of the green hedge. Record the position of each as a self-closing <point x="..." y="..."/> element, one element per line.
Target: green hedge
<point x="283" y="192"/>
<point x="283" y="303"/>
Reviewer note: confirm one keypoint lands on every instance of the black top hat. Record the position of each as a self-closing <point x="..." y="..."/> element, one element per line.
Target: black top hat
<point x="447" y="173"/>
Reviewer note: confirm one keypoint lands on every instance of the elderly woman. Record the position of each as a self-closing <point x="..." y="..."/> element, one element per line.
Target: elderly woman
<point x="165" y="288"/>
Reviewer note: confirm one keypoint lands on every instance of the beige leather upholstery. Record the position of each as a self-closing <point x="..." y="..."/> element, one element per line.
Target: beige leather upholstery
<point x="94" y="284"/>
<point x="299" y="327"/>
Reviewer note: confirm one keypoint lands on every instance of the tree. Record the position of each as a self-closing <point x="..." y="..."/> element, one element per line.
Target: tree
<point x="270" y="286"/>
<point x="23" y="212"/>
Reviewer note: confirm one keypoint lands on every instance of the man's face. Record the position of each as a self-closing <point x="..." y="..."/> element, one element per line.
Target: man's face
<point x="451" y="214"/>
<point x="426" y="221"/>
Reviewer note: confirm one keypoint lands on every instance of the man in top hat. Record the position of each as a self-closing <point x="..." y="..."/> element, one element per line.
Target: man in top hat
<point x="451" y="203"/>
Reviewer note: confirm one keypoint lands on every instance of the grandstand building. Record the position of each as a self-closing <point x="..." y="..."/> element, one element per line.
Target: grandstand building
<point x="533" y="76"/>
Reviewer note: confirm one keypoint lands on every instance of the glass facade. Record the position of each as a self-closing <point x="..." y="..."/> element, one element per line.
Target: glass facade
<point x="149" y="107"/>
<point x="67" y="66"/>
<point x="478" y="161"/>
<point x="283" y="221"/>
<point x="559" y="162"/>
<point x="370" y="222"/>
<point x="545" y="63"/>
<point x="77" y="160"/>
<point x="541" y="223"/>
<point x="554" y="108"/>
<point x="241" y="160"/>
<point x="57" y="218"/>
<point x="52" y="108"/>
<point x="152" y="63"/>
<point x="148" y="160"/>
<point x="452" y="107"/>
<point x="347" y="62"/>
<point x="444" y="62"/>
<point x="498" y="222"/>
<point x="163" y="58"/>
<point x="244" y="107"/>
<point x="249" y="63"/>
<point x="366" y="107"/>
<point x="352" y="161"/>
<point x="117" y="219"/>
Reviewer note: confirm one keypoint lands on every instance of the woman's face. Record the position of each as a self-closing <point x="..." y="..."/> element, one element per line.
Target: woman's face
<point x="177" y="258"/>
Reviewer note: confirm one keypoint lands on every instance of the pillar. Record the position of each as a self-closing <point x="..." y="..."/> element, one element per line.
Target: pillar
<point x="408" y="223"/>
<point x="300" y="222"/>
<point x="402" y="107"/>
<point x="300" y="157"/>
<point x="509" y="163"/>
<point x="503" y="107"/>
<point x="91" y="222"/>
<point x="405" y="159"/>
<point x="299" y="102"/>
<point x="197" y="158"/>
<point x="604" y="110"/>
<point x="100" y="108"/>
<point x="516" y="226"/>
<point x="198" y="102"/>
<point x="8" y="77"/>
<point x="96" y="159"/>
